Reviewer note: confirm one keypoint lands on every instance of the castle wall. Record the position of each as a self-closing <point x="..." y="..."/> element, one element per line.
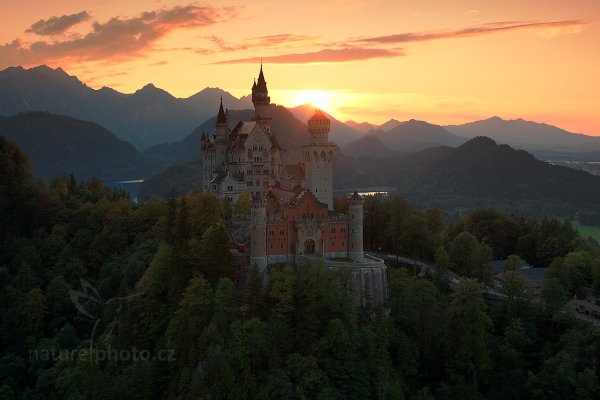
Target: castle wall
<point x="335" y="236"/>
<point x="319" y="172"/>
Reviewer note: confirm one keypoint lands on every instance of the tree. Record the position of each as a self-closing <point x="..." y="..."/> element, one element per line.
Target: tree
<point x="468" y="341"/>
<point x="519" y="292"/>
<point x="183" y="222"/>
<point x="171" y="217"/>
<point x="253" y="293"/>
<point x="442" y="265"/>
<point x="416" y="240"/>
<point x="243" y="204"/>
<point x="554" y="295"/>
<point x="282" y="285"/>
<point x="482" y="270"/>
<point x="186" y="332"/>
<point x="214" y="253"/>
<point x="513" y="263"/>
<point x="463" y="252"/>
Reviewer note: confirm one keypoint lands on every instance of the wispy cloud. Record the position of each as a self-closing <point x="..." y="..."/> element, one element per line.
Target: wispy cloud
<point x="469" y="32"/>
<point x="322" y="56"/>
<point x="283" y="39"/>
<point x="57" y="25"/>
<point x="117" y="38"/>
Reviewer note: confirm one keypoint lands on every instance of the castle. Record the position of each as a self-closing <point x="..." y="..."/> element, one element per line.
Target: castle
<point x="292" y="218"/>
<point x="292" y="208"/>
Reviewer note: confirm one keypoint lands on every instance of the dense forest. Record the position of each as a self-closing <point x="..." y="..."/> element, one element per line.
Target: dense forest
<point x="104" y="298"/>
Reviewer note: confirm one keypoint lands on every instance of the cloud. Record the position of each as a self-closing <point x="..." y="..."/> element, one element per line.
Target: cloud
<point x="57" y="25"/>
<point x="321" y="56"/>
<point x="260" y="42"/>
<point x="274" y="40"/>
<point x="469" y="32"/>
<point x="117" y="38"/>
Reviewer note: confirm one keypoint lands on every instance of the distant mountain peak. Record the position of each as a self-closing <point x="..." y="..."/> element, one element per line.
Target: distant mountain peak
<point x="42" y="67"/>
<point x="480" y="141"/>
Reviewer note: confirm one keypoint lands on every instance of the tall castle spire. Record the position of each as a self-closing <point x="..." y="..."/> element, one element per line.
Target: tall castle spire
<point x="261" y="101"/>
<point x="221" y="117"/>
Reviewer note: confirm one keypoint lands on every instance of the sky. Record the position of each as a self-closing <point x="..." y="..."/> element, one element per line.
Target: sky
<point x="446" y="62"/>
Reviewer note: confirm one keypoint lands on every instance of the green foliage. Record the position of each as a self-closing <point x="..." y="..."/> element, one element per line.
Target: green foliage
<point x="469" y="339"/>
<point x="243" y="204"/>
<point x="156" y="277"/>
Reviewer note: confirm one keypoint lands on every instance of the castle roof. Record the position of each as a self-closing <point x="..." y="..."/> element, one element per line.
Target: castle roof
<point x="318" y="116"/>
<point x="261" y="85"/>
<point x="221" y="117"/>
<point x="243" y="128"/>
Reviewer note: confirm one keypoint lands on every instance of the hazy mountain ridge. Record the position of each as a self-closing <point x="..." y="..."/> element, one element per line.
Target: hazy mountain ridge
<point x="525" y="134"/>
<point x="61" y="144"/>
<point x="406" y="137"/>
<point x="478" y="173"/>
<point x="146" y="117"/>
<point x="207" y="98"/>
<point x="370" y="145"/>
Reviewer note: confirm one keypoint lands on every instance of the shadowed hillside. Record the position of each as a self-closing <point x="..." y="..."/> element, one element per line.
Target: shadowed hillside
<point x="59" y="144"/>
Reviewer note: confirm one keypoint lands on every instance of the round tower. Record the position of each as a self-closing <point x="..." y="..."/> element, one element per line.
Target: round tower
<point x="355" y="243"/>
<point x="318" y="159"/>
<point x="262" y="102"/>
<point x="258" y="233"/>
<point x="318" y="128"/>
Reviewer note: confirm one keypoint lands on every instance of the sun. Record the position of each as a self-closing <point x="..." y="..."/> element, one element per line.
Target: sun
<point x="315" y="97"/>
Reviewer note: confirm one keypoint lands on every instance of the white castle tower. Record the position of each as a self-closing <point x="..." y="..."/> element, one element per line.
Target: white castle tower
<point x="258" y="233"/>
<point x="355" y="209"/>
<point x="318" y="159"/>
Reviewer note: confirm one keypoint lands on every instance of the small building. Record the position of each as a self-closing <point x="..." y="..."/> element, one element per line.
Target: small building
<point x="534" y="275"/>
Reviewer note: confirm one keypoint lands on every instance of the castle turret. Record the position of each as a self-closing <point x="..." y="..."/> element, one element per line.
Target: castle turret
<point x="355" y="244"/>
<point x="318" y="159"/>
<point x="262" y="102"/>
<point x="221" y="136"/>
<point x="258" y="233"/>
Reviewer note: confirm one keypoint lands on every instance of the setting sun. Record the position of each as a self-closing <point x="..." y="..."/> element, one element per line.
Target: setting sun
<point x="315" y="97"/>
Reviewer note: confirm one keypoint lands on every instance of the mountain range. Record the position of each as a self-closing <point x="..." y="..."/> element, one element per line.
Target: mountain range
<point x="144" y="118"/>
<point x="479" y="173"/>
<point x="405" y="137"/>
<point x="152" y="116"/>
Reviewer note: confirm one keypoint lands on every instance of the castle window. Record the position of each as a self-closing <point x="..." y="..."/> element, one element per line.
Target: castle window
<point x="271" y="245"/>
<point x="230" y="188"/>
<point x="332" y="244"/>
<point x="342" y="243"/>
<point x="282" y="245"/>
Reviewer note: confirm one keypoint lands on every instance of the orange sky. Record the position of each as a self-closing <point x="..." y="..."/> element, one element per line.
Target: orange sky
<point x="440" y="61"/>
